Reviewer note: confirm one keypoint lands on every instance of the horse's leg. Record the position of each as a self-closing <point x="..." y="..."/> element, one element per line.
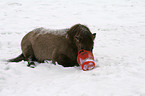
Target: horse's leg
<point x="31" y="62"/>
<point x="29" y="56"/>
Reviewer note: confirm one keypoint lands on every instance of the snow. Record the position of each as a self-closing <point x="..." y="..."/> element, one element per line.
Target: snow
<point x="119" y="48"/>
<point x="52" y="31"/>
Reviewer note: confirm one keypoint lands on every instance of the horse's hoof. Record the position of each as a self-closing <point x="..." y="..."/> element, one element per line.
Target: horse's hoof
<point x="31" y="65"/>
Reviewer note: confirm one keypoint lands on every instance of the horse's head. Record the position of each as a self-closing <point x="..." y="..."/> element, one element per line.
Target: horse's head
<point x="82" y="37"/>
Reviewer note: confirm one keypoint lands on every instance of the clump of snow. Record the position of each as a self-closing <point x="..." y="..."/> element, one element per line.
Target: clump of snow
<point x="119" y="48"/>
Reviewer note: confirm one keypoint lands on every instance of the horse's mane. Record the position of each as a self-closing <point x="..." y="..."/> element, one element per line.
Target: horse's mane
<point x="76" y="29"/>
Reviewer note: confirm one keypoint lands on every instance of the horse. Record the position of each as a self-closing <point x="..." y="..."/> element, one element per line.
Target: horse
<point x="60" y="45"/>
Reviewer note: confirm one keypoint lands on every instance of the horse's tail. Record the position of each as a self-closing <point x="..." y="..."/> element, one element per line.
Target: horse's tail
<point x="17" y="59"/>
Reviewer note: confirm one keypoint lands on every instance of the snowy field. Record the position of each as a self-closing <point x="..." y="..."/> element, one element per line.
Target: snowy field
<point x="119" y="48"/>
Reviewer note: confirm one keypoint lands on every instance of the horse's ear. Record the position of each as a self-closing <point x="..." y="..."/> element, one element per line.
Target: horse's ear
<point x="94" y="35"/>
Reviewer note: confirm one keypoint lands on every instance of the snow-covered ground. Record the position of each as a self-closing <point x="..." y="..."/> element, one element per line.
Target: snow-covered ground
<point x="119" y="48"/>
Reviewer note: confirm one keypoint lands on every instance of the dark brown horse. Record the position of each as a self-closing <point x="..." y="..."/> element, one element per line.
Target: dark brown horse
<point x="60" y="46"/>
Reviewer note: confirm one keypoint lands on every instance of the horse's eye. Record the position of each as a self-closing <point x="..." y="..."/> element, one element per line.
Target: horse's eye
<point x="78" y="38"/>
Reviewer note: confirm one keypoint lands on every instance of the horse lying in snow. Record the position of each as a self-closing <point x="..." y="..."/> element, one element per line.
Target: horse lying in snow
<point x="60" y="46"/>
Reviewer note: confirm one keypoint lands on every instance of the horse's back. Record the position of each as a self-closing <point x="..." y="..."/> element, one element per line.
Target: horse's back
<point x="44" y="31"/>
